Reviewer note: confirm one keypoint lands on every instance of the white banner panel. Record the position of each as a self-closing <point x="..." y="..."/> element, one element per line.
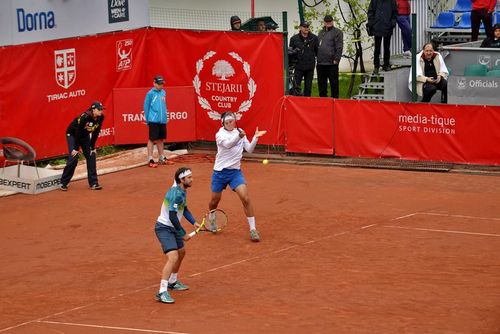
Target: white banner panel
<point x="26" y="21"/>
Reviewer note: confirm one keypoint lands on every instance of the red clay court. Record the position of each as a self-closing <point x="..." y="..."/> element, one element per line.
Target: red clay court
<point x="343" y="250"/>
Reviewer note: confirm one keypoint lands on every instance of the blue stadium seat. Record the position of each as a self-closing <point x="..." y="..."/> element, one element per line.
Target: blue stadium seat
<point x="475" y="70"/>
<point x="465" y="22"/>
<point x="445" y="20"/>
<point x="462" y="6"/>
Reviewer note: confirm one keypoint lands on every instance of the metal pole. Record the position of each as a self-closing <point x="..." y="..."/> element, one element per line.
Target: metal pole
<point x="252" y="7"/>
<point x="414" y="57"/>
<point x="285" y="49"/>
<point x="301" y="11"/>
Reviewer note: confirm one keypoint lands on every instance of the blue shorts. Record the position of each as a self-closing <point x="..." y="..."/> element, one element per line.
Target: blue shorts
<point x="220" y="179"/>
<point x="168" y="237"/>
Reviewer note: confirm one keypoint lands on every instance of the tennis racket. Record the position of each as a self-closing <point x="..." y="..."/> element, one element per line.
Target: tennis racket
<point x="214" y="221"/>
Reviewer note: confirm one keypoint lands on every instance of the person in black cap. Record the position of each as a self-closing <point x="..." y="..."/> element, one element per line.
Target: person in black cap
<point x="306" y="44"/>
<point x="155" y="111"/>
<point x="493" y="42"/>
<point x="271" y="27"/>
<point x="331" y="44"/>
<point x="235" y="23"/>
<point x="81" y="136"/>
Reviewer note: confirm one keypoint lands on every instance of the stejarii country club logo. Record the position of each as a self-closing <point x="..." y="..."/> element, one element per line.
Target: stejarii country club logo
<point x="224" y="83"/>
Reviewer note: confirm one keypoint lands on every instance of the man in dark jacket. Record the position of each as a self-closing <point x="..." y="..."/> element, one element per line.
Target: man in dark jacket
<point x="82" y="134"/>
<point x="331" y="44"/>
<point x="382" y="15"/>
<point x="306" y="44"/>
<point x="493" y="42"/>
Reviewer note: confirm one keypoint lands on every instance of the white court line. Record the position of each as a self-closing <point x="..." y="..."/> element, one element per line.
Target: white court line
<point x="443" y="231"/>
<point x="111" y="327"/>
<point x="368" y="226"/>
<point x="42" y="319"/>
<point x="406" y="216"/>
<point x="75" y="309"/>
<point x="456" y="216"/>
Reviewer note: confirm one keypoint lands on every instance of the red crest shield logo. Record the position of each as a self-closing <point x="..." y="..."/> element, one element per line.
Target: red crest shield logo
<point x="65" y="67"/>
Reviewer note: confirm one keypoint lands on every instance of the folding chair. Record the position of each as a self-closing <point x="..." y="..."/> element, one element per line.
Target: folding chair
<point x="444" y="20"/>
<point x="465" y="22"/>
<point x="462" y="6"/>
<point x="15" y="149"/>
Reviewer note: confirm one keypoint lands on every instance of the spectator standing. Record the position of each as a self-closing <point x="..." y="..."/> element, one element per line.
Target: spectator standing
<point x="382" y="17"/>
<point x="482" y="11"/>
<point x="495" y="41"/>
<point x="155" y="111"/>
<point x="261" y="26"/>
<point x="331" y="44"/>
<point x="306" y="44"/>
<point x="235" y="23"/>
<point x="271" y="27"/>
<point x="403" y="20"/>
<point x="431" y="74"/>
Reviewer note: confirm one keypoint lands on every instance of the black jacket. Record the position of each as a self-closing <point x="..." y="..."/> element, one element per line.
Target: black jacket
<point x="490" y="43"/>
<point x="308" y="50"/>
<point x="382" y="15"/>
<point x="84" y="125"/>
<point x="331" y="44"/>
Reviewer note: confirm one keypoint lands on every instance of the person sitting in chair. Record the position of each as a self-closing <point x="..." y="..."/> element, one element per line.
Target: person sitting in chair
<point x="495" y="41"/>
<point x="431" y="74"/>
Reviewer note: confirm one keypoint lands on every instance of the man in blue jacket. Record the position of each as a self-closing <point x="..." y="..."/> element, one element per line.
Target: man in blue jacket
<point x="155" y="111"/>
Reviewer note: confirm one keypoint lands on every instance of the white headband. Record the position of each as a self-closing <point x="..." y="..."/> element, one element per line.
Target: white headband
<point x="229" y="117"/>
<point x="184" y="174"/>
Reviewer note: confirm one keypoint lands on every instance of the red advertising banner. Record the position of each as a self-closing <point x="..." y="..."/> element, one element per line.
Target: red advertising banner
<point x="230" y="71"/>
<point x="43" y="86"/>
<point x="130" y="123"/>
<point x="431" y="132"/>
<point x="308" y="125"/>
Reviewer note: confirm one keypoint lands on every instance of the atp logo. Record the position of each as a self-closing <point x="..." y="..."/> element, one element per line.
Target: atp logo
<point x="124" y="55"/>
<point x="226" y="86"/>
<point x="65" y="67"/>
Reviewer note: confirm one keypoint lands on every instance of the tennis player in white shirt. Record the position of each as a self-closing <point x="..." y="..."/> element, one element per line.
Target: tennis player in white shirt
<point x="230" y="144"/>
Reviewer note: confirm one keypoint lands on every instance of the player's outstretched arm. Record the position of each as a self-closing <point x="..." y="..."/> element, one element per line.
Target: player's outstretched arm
<point x="259" y="133"/>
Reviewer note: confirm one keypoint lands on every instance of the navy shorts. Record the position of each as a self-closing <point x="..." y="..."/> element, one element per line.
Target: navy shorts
<point x="168" y="237"/>
<point x="157" y="131"/>
<point x="220" y="179"/>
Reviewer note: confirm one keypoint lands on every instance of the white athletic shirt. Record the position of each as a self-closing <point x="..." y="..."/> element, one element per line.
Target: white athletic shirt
<point x="230" y="149"/>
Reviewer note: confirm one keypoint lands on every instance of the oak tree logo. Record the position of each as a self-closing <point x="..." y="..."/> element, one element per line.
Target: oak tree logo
<point x="228" y="86"/>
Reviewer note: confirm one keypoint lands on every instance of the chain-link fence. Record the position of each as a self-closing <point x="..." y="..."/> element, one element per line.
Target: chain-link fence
<point x="203" y="19"/>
